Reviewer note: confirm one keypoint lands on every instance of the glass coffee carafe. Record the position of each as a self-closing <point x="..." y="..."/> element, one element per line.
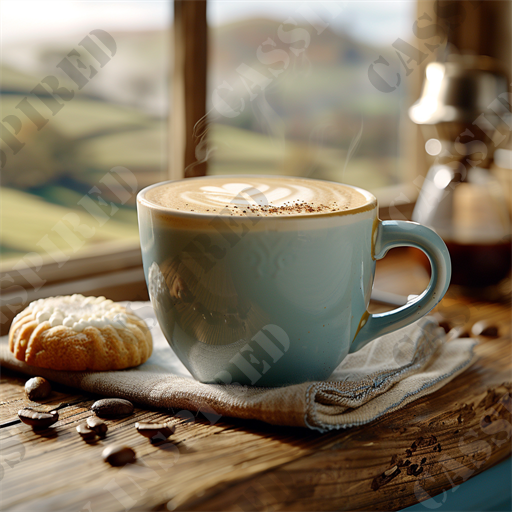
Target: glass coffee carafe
<point x="464" y="112"/>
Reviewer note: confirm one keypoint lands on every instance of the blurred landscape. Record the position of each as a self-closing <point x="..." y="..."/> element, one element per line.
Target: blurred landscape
<point x="118" y="119"/>
<point x="320" y="117"/>
<point x="307" y="118"/>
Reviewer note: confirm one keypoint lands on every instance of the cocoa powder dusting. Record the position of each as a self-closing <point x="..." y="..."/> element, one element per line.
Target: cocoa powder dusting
<point x="297" y="208"/>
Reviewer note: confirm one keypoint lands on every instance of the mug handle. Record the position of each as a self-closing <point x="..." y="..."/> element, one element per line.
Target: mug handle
<point x="398" y="233"/>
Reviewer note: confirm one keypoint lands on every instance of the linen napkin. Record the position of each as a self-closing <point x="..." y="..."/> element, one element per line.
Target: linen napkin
<point x="385" y="375"/>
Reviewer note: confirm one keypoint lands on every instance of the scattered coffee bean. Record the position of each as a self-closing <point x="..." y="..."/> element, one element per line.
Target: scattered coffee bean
<point x="151" y="430"/>
<point x="484" y="328"/>
<point x="38" y="420"/>
<point x="99" y="426"/>
<point x="37" y="388"/>
<point x="85" y="432"/>
<point x="117" y="455"/>
<point x="112" y="408"/>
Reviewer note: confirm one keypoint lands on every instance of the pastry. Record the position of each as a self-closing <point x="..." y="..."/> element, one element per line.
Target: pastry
<point x="79" y="333"/>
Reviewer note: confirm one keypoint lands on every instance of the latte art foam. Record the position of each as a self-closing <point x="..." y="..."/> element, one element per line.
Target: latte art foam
<point x="261" y="196"/>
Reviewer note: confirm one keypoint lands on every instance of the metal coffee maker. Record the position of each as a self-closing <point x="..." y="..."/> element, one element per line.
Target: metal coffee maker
<point x="464" y="112"/>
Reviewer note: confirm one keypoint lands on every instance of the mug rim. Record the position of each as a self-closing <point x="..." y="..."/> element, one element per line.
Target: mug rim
<point x="370" y="205"/>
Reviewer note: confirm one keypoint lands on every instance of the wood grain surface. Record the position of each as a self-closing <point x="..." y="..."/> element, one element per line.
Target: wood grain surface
<point x="423" y="450"/>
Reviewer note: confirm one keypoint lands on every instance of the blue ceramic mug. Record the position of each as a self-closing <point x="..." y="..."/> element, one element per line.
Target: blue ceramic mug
<point x="272" y="298"/>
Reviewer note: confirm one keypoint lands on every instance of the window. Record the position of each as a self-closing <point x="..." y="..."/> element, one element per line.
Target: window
<point x="289" y="91"/>
<point x="84" y="101"/>
<point x="84" y="113"/>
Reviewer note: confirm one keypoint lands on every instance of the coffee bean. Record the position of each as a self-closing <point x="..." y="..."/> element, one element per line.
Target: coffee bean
<point x="151" y="430"/>
<point x="484" y="328"/>
<point x="85" y="432"/>
<point x="99" y="426"/>
<point x="112" y="408"/>
<point x="37" y="388"/>
<point x="117" y="455"/>
<point x="38" y="420"/>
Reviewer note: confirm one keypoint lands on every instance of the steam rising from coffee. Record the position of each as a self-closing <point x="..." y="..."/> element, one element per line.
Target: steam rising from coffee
<point x="274" y="127"/>
<point x="280" y="60"/>
<point x="354" y="144"/>
<point x="270" y="121"/>
<point x="203" y="147"/>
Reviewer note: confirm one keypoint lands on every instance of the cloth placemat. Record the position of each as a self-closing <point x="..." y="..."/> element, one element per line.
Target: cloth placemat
<point x="385" y="375"/>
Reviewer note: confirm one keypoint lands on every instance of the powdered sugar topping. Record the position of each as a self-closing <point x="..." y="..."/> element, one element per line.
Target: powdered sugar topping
<point x="78" y="312"/>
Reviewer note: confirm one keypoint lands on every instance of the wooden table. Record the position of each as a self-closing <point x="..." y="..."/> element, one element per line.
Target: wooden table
<point x="425" y="449"/>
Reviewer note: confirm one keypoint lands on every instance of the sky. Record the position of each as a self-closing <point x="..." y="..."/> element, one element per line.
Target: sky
<point x="375" y="22"/>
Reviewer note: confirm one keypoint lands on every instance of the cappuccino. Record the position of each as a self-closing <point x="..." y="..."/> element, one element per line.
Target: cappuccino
<point x="259" y="196"/>
<point x="263" y="280"/>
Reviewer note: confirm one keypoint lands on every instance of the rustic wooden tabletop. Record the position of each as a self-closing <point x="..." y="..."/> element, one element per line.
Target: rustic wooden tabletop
<point x="425" y="449"/>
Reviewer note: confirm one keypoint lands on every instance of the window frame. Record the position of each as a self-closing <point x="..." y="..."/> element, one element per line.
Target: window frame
<point x="117" y="272"/>
<point x="121" y="268"/>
